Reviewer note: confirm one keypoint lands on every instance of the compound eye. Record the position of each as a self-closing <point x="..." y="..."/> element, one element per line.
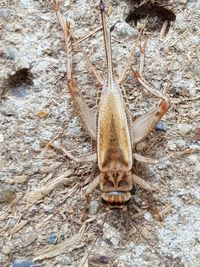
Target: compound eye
<point x="109" y="184"/>
<point x="123" y="183"/>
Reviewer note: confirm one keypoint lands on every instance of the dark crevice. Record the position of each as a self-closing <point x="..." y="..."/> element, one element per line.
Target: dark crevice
<point x="21" y="77"/>
<point x="155" y="16"/>
<point x="19" y="83"/>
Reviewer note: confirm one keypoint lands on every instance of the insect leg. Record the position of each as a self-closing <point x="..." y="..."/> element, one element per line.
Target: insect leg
<point x="146" y="86"/>
<point x="139" y="77"/>
<point x="142" y="56"/>
<point x="172" y="155"/>
<point x="142" y="183"/>
<point x="143" y="125"/>
<point x="129" y="61"/>
<point x="86" y="116"/>
<point x="82" y="109"/>
<point x="94" y="71"/>
<point x="92" y="157"/>
<point x="94" y="184"/>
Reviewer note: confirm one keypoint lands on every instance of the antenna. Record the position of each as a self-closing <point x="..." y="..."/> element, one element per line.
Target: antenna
<point x="107" y="40"/>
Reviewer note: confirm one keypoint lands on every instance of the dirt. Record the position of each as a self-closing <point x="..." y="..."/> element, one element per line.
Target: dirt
<point x="48" y="208"/>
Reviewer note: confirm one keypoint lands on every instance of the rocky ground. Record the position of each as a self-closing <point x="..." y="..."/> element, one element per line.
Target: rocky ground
<point x="43" y="216"/>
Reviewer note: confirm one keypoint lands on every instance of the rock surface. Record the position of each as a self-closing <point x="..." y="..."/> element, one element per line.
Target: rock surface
<point x="36" y="111"/>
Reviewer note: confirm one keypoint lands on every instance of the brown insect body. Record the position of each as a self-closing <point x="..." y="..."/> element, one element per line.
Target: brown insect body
<point x="115" y="132"/>
<point x="114" y="145"/>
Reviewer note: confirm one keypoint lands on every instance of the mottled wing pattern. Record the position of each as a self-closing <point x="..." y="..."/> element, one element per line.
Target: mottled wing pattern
<point x="114" y="140"/>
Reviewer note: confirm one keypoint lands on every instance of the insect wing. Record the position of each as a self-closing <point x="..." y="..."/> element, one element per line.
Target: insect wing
<point x="114" y="140"/>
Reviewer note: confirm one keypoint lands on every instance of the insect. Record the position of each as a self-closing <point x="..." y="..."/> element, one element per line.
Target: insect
<point x="113" y="129"/>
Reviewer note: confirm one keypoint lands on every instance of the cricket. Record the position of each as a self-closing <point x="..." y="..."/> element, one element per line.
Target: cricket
<point x="112" y="128"/>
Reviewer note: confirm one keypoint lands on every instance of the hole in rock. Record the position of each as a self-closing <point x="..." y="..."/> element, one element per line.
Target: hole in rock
<point x="154" y="15"/>
<point x="20" y="81"/>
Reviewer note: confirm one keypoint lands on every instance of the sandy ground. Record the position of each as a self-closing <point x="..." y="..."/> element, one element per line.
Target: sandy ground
<point x="46" y="219"/>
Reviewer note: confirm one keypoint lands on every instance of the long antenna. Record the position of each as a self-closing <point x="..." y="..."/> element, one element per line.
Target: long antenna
<point x="107" y="40"/>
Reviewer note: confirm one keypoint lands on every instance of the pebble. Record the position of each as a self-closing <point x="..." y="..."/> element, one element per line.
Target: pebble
<point x="48" y="209"/>
<point x="93" y="208"/>
<point x="52" y="239"/>
<point x="161" y="126"/>
<point x="28" y="239"/>
<point x="125" y="30"/>
<point x="36" y="146"/>
<point x="28" y="140"/>
<point x="171" y="146"/>
<point x="6" y="250"/>
<point x="24" y="263"/>
<point x="7" y="193"/>
<point x="42" y="114"/>
<point x="148" y="216"/>
<point x="194" y="40"/>
<point x="197" y="134"/>
<point x="46" y="134"/>
<point x="10" y="54"/>
<point x="104" y="259"/>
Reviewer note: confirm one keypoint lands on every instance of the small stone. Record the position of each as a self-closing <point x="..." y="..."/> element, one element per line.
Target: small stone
<point x="104" y="259"/>
<point x="1" y="138"/>
<point x="48" y="209"/>
<point x="28" y="140"/>
<point x="194" y="40"/>
<point x="52" y="239"/>
<point x="46" y="135"/>
<point x="6" y="250"/>
<point x="125" y="30"/>
<point x="10" y="54"/>
<point x="161" y="126"/>
<point x="172" y="146"/>
<point x="42" y="114"/>
<point x="93" y="208"/>
<point x="148" y="216"/>
<point x="36" y="146"/>
<point x="24" y="263"/>
<point x="197" y="134"/>
<point x="20" y="179"/>
<point x="28" y="239"/>
<point x="7" y="194"/>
